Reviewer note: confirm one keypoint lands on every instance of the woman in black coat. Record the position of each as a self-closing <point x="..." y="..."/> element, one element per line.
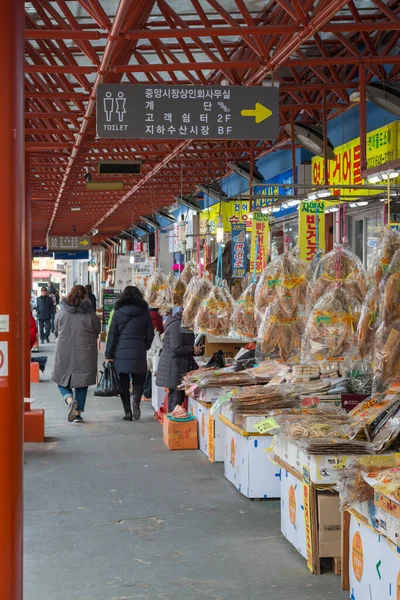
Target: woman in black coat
<point x="176" y="359"/>
<point x="130" y="336"/>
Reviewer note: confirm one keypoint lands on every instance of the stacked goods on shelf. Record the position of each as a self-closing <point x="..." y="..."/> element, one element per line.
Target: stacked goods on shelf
<point x="215" y="312"/>
<point x="159" y="291"/>
<point x="197" y="290"/>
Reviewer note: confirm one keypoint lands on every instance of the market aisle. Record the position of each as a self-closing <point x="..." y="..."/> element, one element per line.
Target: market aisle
<point x="111" y="514"/>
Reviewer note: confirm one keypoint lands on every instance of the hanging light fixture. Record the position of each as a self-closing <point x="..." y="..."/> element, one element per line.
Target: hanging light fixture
<point x="220" y="230"/>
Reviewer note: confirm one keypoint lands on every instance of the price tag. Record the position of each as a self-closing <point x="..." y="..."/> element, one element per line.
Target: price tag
<point x="266" y="425"/>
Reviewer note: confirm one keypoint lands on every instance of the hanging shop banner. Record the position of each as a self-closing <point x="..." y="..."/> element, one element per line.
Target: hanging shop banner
<point x="260" y="231"/>
<point x="382" y="146"/>
<point x="308" y="229"/>
<point x="239" y="250"/>
<point x="232" y="212"/>
<point x="187" y="111"/>
<point x="395" y="226"/>
<point x="271" y="187"/>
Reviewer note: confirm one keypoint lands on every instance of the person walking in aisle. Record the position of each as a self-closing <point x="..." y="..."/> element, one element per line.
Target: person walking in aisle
<point x="91" y="296"/>
<point x="158" y="325"/>
<point x="130" y="336"/>
<point x="75" y="366"/>
<point x="44" y="309"/>
<point x="176" y="359"/>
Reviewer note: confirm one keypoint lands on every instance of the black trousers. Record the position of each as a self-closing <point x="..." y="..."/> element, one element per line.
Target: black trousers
<point x="137" y="384"/>
<point x="147" y="391"/>
<point x="175" y="397"/>
<point x="44" y="329"/>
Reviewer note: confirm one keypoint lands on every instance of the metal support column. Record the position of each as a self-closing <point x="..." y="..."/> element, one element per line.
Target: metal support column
<point x="12" y="305"/>
<point x="27" y="287"/>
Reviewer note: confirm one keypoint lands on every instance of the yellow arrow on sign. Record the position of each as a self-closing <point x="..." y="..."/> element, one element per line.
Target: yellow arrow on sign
<point x="260" y="112"/>
<point x="84" y="243"/>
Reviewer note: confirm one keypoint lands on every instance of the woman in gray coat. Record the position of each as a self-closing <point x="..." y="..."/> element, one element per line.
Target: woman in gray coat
<point x="175" y="360"/>
<point x="75" y="366"/>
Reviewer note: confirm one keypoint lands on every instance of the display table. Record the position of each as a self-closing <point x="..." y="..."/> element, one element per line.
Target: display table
<point x="245" y="464"/>
<point x="371" y="563"/>
<point x="211" y="430"/>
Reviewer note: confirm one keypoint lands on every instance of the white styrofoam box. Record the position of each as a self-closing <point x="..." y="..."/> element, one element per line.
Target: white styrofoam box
<point x="228" y="412"/>
<point x="210" y="394"/>
<point x="247" y="466"/>
<point x="323" y="468"/>
<point x="193" y="406"/>
<point x="374" y="564"/>
<point x="211" y="434"/>
<point x="157" y="394"/>
<point x="248" y="422"/>
<point x="293" y="524"/>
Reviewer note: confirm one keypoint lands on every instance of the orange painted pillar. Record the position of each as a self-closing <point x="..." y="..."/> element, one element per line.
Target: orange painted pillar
<point x="11" y="304"/>
<point x="27" y="287"/>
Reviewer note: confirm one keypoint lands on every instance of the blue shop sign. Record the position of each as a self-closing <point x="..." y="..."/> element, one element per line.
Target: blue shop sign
<point x="272" y="188"/>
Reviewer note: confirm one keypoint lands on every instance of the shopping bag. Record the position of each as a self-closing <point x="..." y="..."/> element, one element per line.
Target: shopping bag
<point x="109" y="384"/>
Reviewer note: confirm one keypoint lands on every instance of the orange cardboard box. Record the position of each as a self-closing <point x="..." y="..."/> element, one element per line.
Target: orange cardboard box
<point x="387" y="505"/>
<point x="180" y="435"/>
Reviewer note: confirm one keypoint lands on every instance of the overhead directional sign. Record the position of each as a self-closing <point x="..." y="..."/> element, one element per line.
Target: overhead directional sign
<point x="69" y="243"/>
<point x="128" y="111"/>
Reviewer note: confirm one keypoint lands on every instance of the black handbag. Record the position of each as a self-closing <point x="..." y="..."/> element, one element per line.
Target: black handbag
<point x="109" y="384"/>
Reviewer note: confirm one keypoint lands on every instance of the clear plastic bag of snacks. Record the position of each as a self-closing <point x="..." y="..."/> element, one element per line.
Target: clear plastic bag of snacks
<point x="197" y="290"/>
<point x="387" y="355"/>
<point x="339" y="267"/>
<point x="387" y="246"/>
<point x="284" y="278"/>
<point x="280" y="335"/>
<point x="244" y="317"/>
<point x="159" y="292"/>
<point x="188" y="272"/>
<point x="368" y="324"/>
<point x="215" y="313"/>
<point x="352" y="488"/>
<point x="331" y="330"/>
<point x="179" y="291"/>
<point x="368" y="418"/>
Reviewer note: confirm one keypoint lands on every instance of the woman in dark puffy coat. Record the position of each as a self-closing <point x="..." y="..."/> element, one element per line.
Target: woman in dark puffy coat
<point x="130" y="336"/>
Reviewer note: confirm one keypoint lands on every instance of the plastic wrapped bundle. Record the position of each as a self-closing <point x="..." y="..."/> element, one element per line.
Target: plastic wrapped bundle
<point x="179" y="291"/>
<point x="387" y="355"/>
<point x="391" y="299"/>
<point x="215" y="312"/>
<point x="312" y="426"/>
<point x="171" y="280"/>
<point x="280" y="336"/>
<point x="331" y="331"/>
<point x="243" y="319"/>
<point x="387" y="246"/>
<point x="368" y="324"/>
<point x="339" y="267"/>
<point x="371" y="415"/>
<point x="159" y="292"/>
<point x="197" y="290"/>
<point x="352" y="488"/>
<point x="188" y="272"/>
<point x="285" y="277"/>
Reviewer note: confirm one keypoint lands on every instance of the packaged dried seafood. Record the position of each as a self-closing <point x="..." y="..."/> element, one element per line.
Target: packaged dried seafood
<point x="334" y="446"/>
<point x="188" y="272"/>
<point x="159" y="292"/>
<point x="368" y="324"/>
<point x="179" y="291"/>
<point x="387" y="246"/>
<point x="223" y="377"/>
<point x="352" y="488"/>
<point x="331" y="331"/>
<point x="243" y="318"/>
<point x="387" y="482"/>
<point x="391" y="299"/>
<point x="284" y="278"/>
<point x="359" y="382"/>
<point x="315" y="426"/>
<point x="197" y="290"/>
<point x="371" y="415"/>
<point x="215" y="312"/>
<point x="385" y="435"/>
<point x="171" y="280"/>
<point x="280" y="335"/>
<point x="387" y="355"/>
<point x="259" y="399"/>
<point x="339" y="267"/>
<point x="267" y="370"/>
